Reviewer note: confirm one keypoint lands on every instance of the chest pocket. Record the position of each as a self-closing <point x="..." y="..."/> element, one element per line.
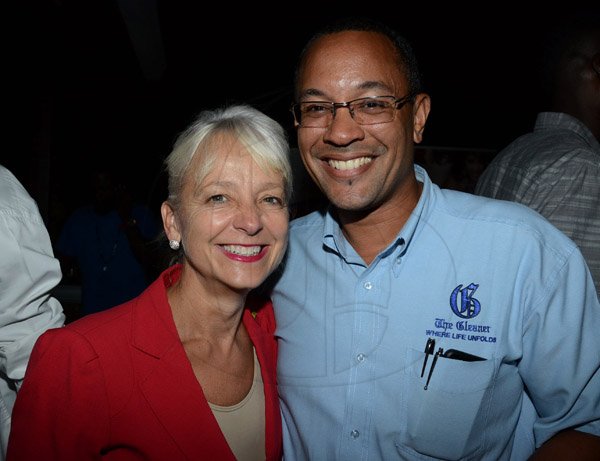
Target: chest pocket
<point x="448" y="419"/>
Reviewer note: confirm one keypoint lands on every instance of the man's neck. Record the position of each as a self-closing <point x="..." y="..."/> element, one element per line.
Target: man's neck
<point x="370" y="232"/>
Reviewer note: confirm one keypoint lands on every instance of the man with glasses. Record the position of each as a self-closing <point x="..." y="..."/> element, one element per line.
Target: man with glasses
<point x="414" y="322"/>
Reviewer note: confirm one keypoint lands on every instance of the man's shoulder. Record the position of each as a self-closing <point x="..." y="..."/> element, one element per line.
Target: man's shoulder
<point x="14" y="199"/>
<point x="547" y="146"/>
<point x="470" y="206"/>
<point x="499" y="217"/>
<point x="311" y="220"/>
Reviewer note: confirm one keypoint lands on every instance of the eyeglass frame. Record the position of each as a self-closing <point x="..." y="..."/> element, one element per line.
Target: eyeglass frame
<point x="398" y="104"/>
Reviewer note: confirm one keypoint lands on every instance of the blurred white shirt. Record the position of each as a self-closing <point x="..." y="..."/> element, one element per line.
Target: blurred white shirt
<point x="28" y="272"/>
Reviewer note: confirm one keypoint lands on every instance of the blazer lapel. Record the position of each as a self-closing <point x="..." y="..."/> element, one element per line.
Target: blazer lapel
<point x="168" y="382"/>
<point x="265" y="346"/>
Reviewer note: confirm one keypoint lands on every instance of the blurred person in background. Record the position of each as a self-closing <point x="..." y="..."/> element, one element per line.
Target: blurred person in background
<point x="555" y="169"/>
<point x="105" y="245"/>
<point x="28" y="273"/>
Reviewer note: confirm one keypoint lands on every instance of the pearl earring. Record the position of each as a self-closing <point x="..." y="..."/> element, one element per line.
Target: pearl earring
<point x="174" y="244"/>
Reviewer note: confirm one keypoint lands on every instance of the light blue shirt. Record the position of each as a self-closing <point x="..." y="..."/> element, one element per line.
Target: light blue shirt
<point x="487" y="277"/>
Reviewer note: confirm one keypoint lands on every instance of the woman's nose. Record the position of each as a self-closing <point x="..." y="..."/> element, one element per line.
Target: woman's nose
<point x="248" y="219"/>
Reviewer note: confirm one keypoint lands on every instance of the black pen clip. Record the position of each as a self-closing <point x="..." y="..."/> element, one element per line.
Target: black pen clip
<point x="429" y="347"/>
<point x="435" y="357"/>
<point x="460" y="355"/>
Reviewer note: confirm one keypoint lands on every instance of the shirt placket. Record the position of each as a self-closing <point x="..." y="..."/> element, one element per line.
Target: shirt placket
<point x="358" y="418"/>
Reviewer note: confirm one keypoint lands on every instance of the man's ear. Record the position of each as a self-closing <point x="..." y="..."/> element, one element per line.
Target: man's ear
<point x="421" y="108"/>
<point x="170" y="223"/>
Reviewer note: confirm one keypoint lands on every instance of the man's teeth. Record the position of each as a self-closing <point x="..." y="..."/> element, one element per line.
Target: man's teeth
<point x="349" y="164"/>
<point x="242" y="250"/>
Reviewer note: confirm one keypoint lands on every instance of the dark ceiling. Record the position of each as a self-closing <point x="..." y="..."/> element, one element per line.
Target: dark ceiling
<point x="118" y="79"/>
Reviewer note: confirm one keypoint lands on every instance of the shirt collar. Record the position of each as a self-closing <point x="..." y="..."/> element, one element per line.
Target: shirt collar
<point x="335" y="241"/>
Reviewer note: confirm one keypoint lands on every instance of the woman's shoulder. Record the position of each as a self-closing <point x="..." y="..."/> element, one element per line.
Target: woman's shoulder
<point x="91" y="335"/>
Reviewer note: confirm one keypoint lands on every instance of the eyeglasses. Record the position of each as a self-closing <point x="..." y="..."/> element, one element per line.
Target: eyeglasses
<point x="365" y="111"/>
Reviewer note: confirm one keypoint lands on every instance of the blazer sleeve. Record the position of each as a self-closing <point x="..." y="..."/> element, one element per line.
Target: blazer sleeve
<point x="61" y="411"/>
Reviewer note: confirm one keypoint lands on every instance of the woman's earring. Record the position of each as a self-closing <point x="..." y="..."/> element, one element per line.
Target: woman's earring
<point x="174" y="244"/>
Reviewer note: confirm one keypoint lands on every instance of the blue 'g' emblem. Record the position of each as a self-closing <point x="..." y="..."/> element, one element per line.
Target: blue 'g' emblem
<point x="469" y="307"/>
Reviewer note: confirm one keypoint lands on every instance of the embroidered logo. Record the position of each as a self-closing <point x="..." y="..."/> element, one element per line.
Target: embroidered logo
<point x="462" y="302"/>
<point x="466" y="307"/>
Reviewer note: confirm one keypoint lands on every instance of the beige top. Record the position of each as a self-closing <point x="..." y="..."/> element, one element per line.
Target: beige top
<point x="243" y="424"/>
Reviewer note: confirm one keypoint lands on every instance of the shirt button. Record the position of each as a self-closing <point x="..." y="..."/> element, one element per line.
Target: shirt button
<point x="360" y="357"/>
<point x="368" y="285"/>
<point x="354" y="434"/>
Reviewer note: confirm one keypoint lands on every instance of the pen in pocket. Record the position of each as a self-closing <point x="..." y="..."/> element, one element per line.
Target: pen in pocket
<point x="429" y="347"/>
<point x="435" y="357"/>
<point x="453" y="354"/>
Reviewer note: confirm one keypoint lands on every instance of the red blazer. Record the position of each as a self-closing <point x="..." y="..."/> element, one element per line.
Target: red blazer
<point x="117" y="385"/>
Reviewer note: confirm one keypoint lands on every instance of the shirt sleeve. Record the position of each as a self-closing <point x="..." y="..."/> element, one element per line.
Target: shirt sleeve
<point x="563" y="375"/>
<point x="28" y="273"/>
<point x="571" y="201"/>
<point x="61" y="411"/>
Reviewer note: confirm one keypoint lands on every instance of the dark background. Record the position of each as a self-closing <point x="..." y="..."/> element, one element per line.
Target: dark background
<point x="85" y="84"/>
